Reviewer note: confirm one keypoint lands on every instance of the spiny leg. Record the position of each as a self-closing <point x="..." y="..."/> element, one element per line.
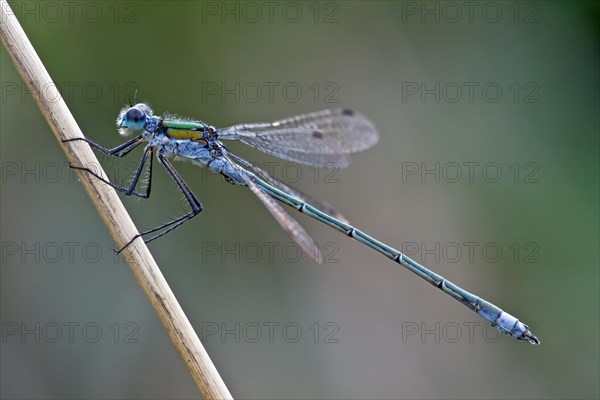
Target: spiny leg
<point x="177" y="222"/>
<point x="119" y="151"/>
<point x="148" y="152"/>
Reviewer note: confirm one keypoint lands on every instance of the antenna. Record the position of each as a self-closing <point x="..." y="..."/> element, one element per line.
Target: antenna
<point x="131" y="104"/>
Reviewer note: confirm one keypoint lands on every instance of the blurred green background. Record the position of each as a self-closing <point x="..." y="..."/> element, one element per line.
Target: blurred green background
<point x="500" y="98"/>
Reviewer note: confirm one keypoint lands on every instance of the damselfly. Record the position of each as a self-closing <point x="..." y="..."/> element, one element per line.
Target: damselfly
<point x="317" y="139"/>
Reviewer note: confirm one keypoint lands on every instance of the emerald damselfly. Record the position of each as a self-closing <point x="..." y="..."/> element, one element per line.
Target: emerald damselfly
<point x="316" y="138"/>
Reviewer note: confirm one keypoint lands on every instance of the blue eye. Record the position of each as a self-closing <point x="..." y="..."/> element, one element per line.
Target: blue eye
<point x="134" y="119"/>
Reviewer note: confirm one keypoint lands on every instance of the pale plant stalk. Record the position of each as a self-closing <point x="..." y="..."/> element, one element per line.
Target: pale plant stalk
<point x="110" y="208"/>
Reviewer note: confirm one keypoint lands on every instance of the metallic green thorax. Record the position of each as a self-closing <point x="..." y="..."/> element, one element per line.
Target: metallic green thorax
<point x="184" y="130"/>
<point x="188" y="125"/>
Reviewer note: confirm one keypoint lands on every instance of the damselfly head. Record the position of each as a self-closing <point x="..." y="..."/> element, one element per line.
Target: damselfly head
<point x="133" y="118"/>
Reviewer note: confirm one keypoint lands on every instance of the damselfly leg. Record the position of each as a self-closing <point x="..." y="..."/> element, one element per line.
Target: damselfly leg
<point x="196" y="207"/>
<point x="126" y="148"/>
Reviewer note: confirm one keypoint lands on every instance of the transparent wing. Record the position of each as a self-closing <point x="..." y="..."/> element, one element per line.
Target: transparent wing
<point x="316" y="138"/>
<point x="321" y="205"/>
<point x="289" y="224"/>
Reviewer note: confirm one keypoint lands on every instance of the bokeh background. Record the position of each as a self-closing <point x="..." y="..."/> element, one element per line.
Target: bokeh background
<point x="517" y="182"/>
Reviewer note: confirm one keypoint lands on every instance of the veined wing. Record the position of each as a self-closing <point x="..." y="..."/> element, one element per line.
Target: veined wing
<point x="316" y="138"/>
<point x="321" y="205"/>
<point x="289" y="224"/>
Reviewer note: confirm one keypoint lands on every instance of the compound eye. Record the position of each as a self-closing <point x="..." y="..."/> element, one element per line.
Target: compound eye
<point x="135" y="115"/>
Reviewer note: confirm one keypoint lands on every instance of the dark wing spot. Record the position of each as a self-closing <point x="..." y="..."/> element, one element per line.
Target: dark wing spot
<point x="348" y="112"/>
<point x="317" y="135"/>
